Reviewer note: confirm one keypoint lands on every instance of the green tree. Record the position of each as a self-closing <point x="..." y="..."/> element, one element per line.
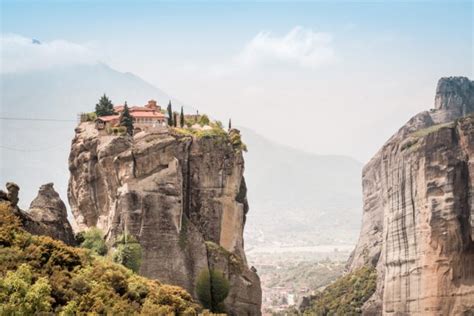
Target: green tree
<point x="104" y="107"/>
<point x="128" y="252"/>
<point x="212" y="288"/>
<point x="181" y="118"/>
<point x="170" y="114"/>
<point x="230" y="124"/>
<point x="92" y="239"/>
<point x="126" y="119"/>
<point x="175" y="119"/>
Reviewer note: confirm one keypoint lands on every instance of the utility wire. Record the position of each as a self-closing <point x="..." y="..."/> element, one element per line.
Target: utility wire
<point x="30" y="150"/>
<point x="34" y="119"/>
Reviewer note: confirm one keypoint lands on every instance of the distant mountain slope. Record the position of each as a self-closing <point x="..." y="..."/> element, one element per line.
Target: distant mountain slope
<point x="300" y="197"/>
<point x="65" y="91"/>
<point x="289" y="190"/>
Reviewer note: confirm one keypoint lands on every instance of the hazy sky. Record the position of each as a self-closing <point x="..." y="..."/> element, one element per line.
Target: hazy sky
<point x="327" y="77"/>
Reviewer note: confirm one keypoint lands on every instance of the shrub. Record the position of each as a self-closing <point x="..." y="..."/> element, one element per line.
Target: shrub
<point x="93" y="239"/>
<point x="128" y="252"/>
<point x="346" y="295"/>
<point x="212" y="288"/>
<point x="204" y="120"/>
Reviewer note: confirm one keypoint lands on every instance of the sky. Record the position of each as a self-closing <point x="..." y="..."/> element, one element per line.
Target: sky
<point x="328" y="77"/>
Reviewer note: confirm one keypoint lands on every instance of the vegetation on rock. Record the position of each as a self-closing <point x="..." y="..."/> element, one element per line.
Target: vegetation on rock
<point x="212" y="287"/>
<point x="126" y="119"/>
<point x="93" y="240"/>
<point x="346" y="295"/>
<point x="128" y="252"/>
<point x="104" y="107"/>
<point x="40" y="275"/>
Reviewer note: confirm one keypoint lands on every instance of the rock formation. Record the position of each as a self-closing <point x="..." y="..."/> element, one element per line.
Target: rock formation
<point x="49" y="209"/>
<point x="183" y="197"/>
<point x="418" y="211"/>
<point x="47" y="214"/>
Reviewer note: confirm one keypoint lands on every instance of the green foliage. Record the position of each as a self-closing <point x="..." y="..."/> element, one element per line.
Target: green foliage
<point x="88" y="117"/>
<point x="204" y="120"/>
<point x="128" y="252"/>
<point x="236" y="140"/>
<point x="212" y="287"/>
<point x="346" y="295"/>
<point x="40" y="275"/>
<point x="21" y="295"/>
<point x="126" y="119"/>
<point x="93" y="239"/>
<point x="181" y="118"/>
<point x="170" y="114"/>
<point x="104" y="107"/>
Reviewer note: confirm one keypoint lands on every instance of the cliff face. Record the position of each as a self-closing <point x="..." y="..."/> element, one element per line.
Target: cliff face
<point x="418" y="211"/>
<point x="182" y="197"/>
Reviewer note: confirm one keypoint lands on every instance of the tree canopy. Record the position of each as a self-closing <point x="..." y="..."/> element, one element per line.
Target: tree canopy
<point x="126" y="119"/>
<point x="128" y="252"/>
<point x="104" y="107"/>
<point x="212" y="287"/>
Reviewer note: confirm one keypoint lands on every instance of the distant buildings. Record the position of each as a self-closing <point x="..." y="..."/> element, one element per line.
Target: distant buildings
<point x="146" y="116"/>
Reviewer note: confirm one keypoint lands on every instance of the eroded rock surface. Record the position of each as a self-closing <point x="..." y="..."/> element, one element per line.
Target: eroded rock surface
<point x="47" y="214"/>
<point x="418" y="211"/>
<point x="48" y="208"/>
<point x="174" y="193"/>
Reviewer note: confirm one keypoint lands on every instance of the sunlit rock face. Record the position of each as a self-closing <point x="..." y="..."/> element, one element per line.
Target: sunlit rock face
<point x="180" y="196"/>
<point x="419" y="208"/>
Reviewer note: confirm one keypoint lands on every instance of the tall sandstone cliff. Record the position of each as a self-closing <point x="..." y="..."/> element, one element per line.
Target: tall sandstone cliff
<point x="182" y="197"/>
<point x="419" y="208"/>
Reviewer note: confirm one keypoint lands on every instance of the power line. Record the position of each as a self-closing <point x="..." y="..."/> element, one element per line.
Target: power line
<point x="34" y="119"/>
<point x="31" y="150"/>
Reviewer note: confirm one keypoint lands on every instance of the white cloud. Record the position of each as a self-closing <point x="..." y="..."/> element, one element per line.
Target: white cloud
<point x="20" y="54"/>
<point x="300" y="46"/>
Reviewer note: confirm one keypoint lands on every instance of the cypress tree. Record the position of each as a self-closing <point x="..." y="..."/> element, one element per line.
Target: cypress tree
<point x="104" y="107"/>
<point x="230" y="124"/>
<point x="170" y="114"/>
<point x="175" y="119"/>
<point x="126" y="119"/>
<point x="181" y="118"/>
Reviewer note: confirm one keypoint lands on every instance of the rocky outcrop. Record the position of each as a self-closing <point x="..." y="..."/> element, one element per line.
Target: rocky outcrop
<point x="47" y="214"/>
<point x="418" y="211"/>
<point x="48" y="208"/>
<point x="176" y="194"/>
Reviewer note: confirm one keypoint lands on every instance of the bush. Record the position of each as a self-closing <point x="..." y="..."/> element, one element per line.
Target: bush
<point x="93" y="239"/>
<point x="212" y="288"/>
<point x="88" y="117"/>
<point x="204" y="120"/>
<point x="128" y="252"/>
